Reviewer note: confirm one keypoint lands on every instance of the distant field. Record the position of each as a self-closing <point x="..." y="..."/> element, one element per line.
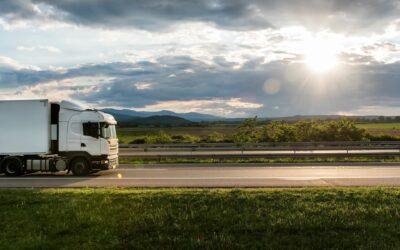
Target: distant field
<point x="306" y="218"/>
<point x="392" y="129"/>
<point x="126" y="135"/>
<point x="379" y="125"/>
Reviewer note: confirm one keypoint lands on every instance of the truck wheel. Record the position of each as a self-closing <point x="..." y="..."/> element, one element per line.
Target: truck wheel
<point x="13" y="166"/>
<point x="80" y="167"/>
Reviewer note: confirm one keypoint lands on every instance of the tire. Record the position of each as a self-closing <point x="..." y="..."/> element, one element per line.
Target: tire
<point x="13" y="166"/>
<point x="80" y="167"/>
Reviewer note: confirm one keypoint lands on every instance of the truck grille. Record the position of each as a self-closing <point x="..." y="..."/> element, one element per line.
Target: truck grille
<point x="113" y="149"/>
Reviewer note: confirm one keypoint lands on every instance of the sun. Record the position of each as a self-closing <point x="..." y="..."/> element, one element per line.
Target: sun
<point x="320" y="56"/>
<point x="320" y="61"/>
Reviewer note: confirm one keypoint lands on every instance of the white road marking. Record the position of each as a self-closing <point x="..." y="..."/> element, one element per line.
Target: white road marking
<point x="142" y="169"/>
<point x="380" y="168"/>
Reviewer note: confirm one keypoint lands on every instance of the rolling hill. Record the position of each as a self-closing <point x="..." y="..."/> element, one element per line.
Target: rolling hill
<point x="164" y="120"/>
<point x="191" y="116"/>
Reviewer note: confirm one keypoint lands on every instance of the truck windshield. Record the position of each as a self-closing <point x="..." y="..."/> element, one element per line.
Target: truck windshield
<point x="108" y="131"/>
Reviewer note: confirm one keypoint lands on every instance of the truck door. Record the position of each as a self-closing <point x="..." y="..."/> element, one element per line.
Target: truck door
<point x="74" y="137"/>
<point x="90" y="141"/>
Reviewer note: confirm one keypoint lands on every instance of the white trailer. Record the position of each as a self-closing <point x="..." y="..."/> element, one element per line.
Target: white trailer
<point x="37" y="135"/>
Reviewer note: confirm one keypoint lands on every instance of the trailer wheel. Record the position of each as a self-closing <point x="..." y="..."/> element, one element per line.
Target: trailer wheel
<point x="13" y="166"/>
<point x="80" y="167"/>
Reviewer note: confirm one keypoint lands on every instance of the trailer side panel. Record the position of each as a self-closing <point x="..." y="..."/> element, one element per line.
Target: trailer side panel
<point x="24" y="127"/>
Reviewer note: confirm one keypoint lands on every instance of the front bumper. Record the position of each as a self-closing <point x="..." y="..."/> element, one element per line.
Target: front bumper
<point x="113" y="163"/>
<point x="104" y="162"/>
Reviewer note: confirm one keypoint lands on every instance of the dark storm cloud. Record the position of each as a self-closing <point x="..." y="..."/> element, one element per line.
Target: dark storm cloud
<point x="156" y="15"/>
<point x="186" y="79"/>
<point x="17" y="9"/>
<point x="179" y="78"/>
<point x="338" y="15"/>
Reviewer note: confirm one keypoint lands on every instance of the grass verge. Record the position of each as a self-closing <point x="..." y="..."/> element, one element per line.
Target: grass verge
<point x="259" y="160"/>
<point x="314" y="218"/>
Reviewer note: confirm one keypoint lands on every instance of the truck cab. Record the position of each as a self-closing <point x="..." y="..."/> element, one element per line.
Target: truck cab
<point x="87" y="133"/>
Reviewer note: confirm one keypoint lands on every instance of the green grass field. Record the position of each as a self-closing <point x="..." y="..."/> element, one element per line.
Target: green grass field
<point x="312" y="218"/>
<point x="392" y="129"/>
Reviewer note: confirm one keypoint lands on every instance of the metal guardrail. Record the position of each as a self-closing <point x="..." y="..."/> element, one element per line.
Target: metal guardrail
<point x="265" y="144"/>
<point x="262" y="150"/>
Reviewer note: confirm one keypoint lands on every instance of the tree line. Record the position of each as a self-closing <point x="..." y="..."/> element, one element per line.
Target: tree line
<point x="300" y="131"/>
<point x="251" y="131"/>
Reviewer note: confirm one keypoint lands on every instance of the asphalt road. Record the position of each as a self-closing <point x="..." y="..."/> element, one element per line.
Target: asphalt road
<point x="222" y="175"/>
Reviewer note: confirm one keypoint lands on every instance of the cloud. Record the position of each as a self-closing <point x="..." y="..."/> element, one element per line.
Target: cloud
<point x="213" y="87"/>
<point x="18" y="9"/>
<point x="56" y="90"/>
<point x="40" y="47"/>
<point x="9" y="65"/>
<point x="337" y="15"/>
<point x="230" y="107"/>
<point x="143" y="85"/>
<point x="26" y="13"/>
<point x="159" y="15"/>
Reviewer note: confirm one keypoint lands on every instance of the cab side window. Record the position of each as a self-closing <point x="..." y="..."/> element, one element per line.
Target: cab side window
<point x="91" y="129"/>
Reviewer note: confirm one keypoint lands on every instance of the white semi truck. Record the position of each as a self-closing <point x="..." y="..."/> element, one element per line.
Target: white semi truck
<point x="38" y="135"/>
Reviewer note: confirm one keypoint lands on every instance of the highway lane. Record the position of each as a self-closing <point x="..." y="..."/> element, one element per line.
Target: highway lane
<point x="222" y="175"/>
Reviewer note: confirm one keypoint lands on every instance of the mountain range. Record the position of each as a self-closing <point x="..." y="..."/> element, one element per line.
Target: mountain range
<point x="125" y="115"/>
<point x="165" y="117"/>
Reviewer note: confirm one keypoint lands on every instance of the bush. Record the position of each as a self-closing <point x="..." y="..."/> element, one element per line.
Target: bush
<point x="247" y="131"/>
<point x="214" y="137"/>
<point x="301" y="131"/>
<point x="277" y="132"/>
<point x="139" y="140"/>
<point x="338" y="130"/>
<point x="185" y="138"/>
<point x="160" y="137"/>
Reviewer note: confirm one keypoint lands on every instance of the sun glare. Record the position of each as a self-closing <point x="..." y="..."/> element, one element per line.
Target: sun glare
<point x="320" y="56"/>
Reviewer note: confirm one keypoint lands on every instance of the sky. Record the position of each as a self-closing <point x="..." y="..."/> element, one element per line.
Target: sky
<point x="231" y="58"/>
